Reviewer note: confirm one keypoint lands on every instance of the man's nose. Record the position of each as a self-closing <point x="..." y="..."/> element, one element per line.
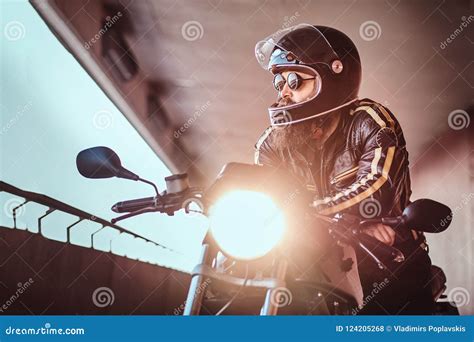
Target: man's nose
<point x="286" y="91"/>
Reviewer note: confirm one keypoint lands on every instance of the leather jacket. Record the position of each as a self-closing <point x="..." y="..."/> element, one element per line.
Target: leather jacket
<point x="364" y="161"/>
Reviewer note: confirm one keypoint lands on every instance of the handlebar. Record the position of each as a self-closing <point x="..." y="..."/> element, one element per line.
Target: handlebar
<point x="349" y="230"/>
<point x="135" y="204"/>
<point x="167" y="203"/>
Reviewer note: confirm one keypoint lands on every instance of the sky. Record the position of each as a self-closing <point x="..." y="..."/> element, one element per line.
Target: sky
<point x="51" y="109"/>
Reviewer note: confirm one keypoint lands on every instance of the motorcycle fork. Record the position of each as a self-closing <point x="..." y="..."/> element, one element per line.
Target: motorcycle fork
<point x="197" y="288"/>
<point x="271" y="304"/>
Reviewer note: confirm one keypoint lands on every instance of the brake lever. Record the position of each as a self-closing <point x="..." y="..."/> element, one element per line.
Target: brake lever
<point x="134" y="213"/>
<point x="385" y="251"/>
<point x="353" y="240"/>
<point x="379" y="263"/>
<point x="375" y="249"/>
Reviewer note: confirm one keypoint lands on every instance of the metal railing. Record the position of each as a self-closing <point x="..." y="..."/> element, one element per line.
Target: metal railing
<point x="55" y="205"/>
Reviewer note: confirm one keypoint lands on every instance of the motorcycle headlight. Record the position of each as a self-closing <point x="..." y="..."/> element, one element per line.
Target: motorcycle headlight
<point x="246" y="224"/>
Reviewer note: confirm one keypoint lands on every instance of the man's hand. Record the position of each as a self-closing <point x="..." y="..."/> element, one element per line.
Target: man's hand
<point x="382" y="233"/>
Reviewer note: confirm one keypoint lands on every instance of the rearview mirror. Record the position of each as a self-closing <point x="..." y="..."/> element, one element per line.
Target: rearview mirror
<point x="427" y="215"/>
<point x="102" y="162"/>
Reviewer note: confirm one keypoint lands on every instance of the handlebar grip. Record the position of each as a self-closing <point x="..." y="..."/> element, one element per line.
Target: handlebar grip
<point x="132" y="205"/>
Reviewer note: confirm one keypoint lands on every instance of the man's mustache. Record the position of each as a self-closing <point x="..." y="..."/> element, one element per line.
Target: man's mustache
<point x="285" y="101"/>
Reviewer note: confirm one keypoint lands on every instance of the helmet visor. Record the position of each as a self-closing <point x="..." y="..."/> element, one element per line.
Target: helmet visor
<point x="302" y="43"/>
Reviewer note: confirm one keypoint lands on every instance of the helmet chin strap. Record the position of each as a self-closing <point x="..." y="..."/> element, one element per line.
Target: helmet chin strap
<point x="316" y="115"/>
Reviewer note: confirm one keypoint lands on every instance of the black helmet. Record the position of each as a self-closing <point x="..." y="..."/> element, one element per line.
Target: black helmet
<point x="326" y="53"/>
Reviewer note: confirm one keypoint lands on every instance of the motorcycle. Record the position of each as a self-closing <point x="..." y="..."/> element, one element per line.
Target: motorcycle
<point x="265" y="252"/>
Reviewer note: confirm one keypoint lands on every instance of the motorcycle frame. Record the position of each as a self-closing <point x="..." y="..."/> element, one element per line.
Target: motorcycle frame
<point x="204" y="271"/>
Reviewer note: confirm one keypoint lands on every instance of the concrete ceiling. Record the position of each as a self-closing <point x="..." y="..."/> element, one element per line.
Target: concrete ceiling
<point x="211" y="86"/>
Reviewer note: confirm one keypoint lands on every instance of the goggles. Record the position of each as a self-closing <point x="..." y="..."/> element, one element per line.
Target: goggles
<point x="293" y="79"/>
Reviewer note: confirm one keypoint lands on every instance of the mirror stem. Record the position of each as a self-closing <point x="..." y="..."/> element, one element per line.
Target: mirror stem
<point x="152" y="184"/>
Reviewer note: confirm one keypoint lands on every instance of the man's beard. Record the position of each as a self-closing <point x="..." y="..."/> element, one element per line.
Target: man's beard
<point x="292" y="136"/>
<point x="295" y="136"/>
